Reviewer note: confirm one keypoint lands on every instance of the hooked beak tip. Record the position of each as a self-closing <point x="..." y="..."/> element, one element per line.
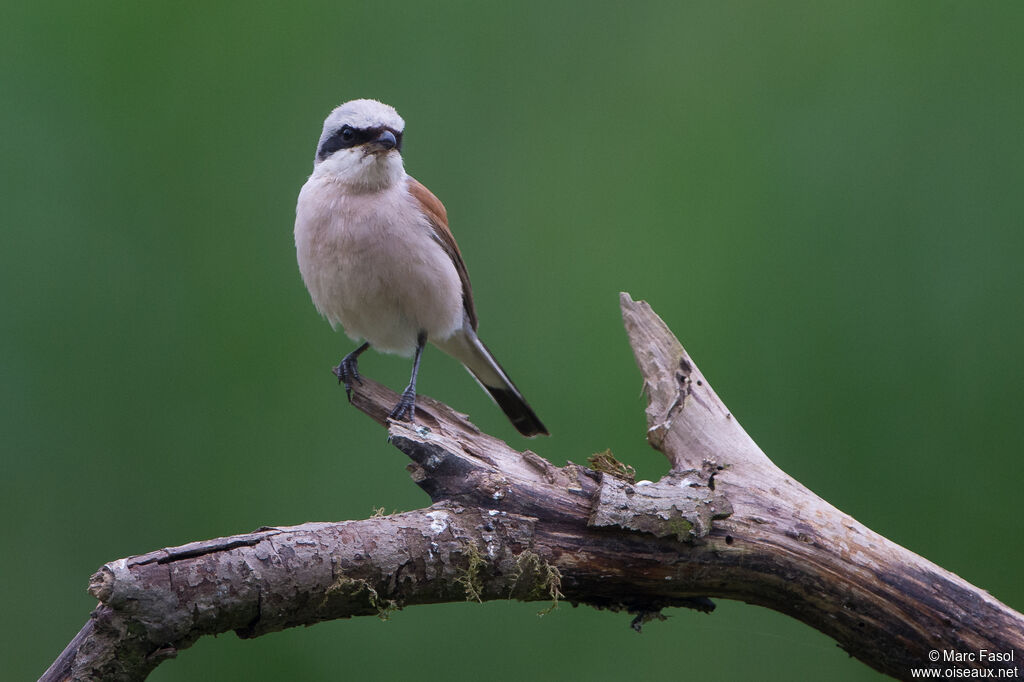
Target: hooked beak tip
<point x="387" y="140"/>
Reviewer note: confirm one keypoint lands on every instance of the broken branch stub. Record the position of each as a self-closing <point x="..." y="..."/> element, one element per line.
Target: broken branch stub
<point x="686" y="421"/>
<point x="785" y="548"/>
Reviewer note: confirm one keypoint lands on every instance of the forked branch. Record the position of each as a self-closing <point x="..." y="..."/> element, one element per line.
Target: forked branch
<point x="725" y="522"/>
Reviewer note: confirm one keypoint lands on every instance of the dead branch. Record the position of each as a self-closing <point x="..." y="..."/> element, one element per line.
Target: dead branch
<point x="725" y="522"/>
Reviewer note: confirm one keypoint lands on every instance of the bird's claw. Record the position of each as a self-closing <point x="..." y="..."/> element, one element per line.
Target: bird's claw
<point x="347" y="371"/>
<point x="405" y="410"/>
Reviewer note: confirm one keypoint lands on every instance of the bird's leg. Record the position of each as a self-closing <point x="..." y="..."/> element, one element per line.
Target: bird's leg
<point x="405" y="410"/>
<point x="347" y="370"/>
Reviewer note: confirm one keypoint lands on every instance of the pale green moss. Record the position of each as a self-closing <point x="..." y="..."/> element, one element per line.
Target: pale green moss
<point x="545" y="581"/>
<point x="470" y="578"/>
<point x="355" y="589"/>
<point x="681" y="528"/>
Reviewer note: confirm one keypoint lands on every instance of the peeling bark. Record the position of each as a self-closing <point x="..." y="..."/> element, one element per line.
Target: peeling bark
<point x="681" y="505"/>
<point x="725" y="522"/>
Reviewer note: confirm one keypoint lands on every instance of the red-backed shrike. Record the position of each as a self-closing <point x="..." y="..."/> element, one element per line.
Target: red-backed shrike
<point x="378" y="258"/>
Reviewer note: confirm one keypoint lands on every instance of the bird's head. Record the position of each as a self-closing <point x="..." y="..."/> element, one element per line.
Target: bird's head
<point x="361" y="145"/>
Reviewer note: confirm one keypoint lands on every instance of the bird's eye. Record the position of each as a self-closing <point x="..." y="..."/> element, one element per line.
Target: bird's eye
<point x="343" y="138"/>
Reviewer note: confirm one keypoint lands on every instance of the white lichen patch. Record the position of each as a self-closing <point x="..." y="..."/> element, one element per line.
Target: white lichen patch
<point x="491" y="546"/>
<point x="438" y="521"/>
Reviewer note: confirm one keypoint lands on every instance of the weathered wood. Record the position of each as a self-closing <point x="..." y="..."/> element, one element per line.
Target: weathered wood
<point x="785" y="548"/>
<point x="154" y="605"/>
<point x="505" y="524"/>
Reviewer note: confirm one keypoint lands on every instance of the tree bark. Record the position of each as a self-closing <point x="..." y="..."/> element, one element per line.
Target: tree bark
<point x="725" y="522"/>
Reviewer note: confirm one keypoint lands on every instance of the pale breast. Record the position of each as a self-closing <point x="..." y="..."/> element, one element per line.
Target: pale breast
<point x="371" y="265"/>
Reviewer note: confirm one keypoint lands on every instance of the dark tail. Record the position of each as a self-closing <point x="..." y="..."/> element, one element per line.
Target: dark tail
<point x="517" y="410"/>
<point x="466" y="347"/>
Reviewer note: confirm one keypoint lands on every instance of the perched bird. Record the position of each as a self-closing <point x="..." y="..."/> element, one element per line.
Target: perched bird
<point x="377" y="256"/>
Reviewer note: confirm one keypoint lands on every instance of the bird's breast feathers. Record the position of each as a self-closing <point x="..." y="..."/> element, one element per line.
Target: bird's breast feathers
<point x="372" y="265"/>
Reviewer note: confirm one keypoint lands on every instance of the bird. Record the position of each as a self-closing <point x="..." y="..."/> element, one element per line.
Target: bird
<point x="378" y="258"/>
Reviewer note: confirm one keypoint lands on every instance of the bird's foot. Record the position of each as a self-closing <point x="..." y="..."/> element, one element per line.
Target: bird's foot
<point x="347" y="371"/>
<point x="405" y="410"/>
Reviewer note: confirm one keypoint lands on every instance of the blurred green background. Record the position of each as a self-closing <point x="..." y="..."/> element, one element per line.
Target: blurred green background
<point x="823" y="200"/>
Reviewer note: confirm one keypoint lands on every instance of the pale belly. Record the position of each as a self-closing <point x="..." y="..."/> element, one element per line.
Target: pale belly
<point x="382" y="278"/>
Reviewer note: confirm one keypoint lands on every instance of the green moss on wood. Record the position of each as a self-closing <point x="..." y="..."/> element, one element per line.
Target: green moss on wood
<point x="605" y="462"/>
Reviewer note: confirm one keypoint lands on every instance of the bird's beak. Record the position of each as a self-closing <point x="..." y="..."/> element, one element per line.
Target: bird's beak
<point x="386" y="141"/>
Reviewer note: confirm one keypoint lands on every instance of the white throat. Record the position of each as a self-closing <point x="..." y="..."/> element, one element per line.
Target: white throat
<point x="362" y="172"/>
